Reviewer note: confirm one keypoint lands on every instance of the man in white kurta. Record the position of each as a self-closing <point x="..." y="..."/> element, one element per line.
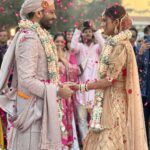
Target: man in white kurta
<point x="88" y="52"/>
<point x="32" y="100"/>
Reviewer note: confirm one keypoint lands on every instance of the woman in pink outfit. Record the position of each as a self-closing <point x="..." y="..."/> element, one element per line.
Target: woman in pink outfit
<point x="68" y="72"/>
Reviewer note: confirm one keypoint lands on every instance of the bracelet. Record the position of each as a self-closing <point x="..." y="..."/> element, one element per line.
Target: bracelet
<point x="82" y="88"/>
<point x="86" y="87"/>
<point x="57" y="90"/>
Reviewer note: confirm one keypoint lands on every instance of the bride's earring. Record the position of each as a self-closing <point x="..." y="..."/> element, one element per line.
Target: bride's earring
<point x="116" y="30"/>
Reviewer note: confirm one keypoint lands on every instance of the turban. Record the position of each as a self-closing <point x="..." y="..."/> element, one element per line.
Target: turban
<point x="33" y="6"/>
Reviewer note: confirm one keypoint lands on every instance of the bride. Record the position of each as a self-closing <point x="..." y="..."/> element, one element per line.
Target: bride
<point x="117" y="121"/>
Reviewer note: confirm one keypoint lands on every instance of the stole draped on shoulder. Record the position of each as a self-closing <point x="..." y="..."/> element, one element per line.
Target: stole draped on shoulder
<point x="50" y="132"/>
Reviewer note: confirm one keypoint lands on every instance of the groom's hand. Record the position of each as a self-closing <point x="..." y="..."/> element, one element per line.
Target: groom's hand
<point x="65" y="92"/>
<point x="73" y="86"/>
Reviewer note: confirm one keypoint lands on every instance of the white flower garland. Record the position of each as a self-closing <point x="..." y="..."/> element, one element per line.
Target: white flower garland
<point x="49" y="47"/>
<point x="95" y="123"/>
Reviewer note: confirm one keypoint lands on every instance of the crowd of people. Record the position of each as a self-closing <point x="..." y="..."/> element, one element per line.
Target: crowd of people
<point x="99" y="101"/>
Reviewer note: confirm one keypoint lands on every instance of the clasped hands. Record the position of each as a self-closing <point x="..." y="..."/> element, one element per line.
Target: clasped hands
<point x="67" y="89"/>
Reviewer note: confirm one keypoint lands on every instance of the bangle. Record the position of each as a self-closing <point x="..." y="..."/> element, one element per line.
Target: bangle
<point x="82" y="87"/>
<point x="57" y="90"/>
<point x="86" y="87"/>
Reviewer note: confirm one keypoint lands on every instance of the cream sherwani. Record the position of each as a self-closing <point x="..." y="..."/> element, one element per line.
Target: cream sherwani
<point x="30" y="72"/>
<point x="31" y="68"/>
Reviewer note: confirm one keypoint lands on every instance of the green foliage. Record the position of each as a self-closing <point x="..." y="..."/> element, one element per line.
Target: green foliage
<point x="80" y="10"/>
<point x="9" y="16"/>
<point x="68" y="13"/>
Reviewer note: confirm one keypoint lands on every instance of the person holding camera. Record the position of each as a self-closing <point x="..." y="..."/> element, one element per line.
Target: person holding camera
<point x="87" y="45"/>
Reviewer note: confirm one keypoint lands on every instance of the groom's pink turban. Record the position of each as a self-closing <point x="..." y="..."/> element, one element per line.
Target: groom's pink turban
<point x="33" y="6"/>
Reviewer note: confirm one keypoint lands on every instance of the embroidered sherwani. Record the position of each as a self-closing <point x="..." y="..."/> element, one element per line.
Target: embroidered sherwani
<point x="34" y="99"/>
<point x="31" y="67"/>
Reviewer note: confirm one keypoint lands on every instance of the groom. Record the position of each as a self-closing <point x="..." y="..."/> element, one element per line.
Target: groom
<point x="32" y="99"/>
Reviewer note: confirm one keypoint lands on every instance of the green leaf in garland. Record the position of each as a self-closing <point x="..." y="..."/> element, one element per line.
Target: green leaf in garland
<point x="53" y="47"/>
<point x="105" y="60"/>
<point x="50" y="59"/>
<point x="52" y="75"/>
<point x="102" y="76"/>
<point x="33" y="27"/>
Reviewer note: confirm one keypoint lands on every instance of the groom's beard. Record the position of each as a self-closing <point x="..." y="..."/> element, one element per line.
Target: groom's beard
<point x="46" y="23"/>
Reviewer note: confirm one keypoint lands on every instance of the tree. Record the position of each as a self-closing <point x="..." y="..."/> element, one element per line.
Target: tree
<point x="9" y="12"/>
<point x="68" y="12"/>
<point x="80" y="9"/>
<point x="64" y="15"/>
<point x="95" y="9"/>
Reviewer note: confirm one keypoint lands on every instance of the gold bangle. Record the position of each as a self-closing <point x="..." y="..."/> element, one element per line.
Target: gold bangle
<point x="82" y="88"/>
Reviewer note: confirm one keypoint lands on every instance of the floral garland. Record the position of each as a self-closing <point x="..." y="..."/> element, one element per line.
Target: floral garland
<point x="51" y="54"/>
<point x="95" y="123"/>
<point x="49" y="47"/>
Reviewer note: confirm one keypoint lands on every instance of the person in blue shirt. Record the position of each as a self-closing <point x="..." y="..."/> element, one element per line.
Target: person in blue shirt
<point x="143" y="61"/>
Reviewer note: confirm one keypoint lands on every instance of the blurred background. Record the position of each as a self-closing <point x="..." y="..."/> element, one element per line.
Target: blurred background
<point x="70" y="11"/>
